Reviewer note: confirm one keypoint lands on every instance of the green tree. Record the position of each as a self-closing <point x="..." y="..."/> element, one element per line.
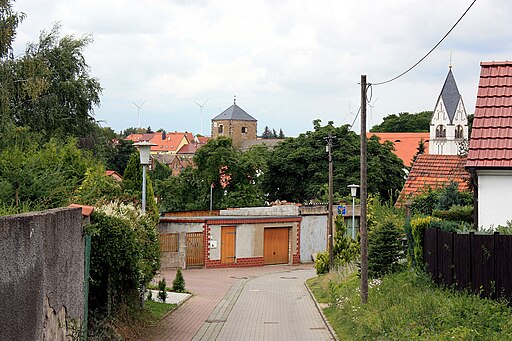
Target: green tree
<point x="9" y="21"/>
<point x="160" y="171"/>
<point x="281" y="134"/>
<point x="404" y="122"/>
<point x="50" y="87"/>
<point x="383" y="249"/>
<point x="298" y="167"/>
<point x="119" y="155"/>
<point x="419" y="150"/>
<point x="267" y="134"/>
<point x="97" y="187"/>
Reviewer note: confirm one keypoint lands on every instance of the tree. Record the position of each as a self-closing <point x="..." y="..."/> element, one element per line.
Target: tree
<point x="404" y="122"/>
<point x="298" y="167"/>
<point x="267" y="134"/>
<point x="9" y="21"/>
<point x="420" y="150"/>
<point x="160" y="171"/>
<point x="49" y="87"/>
<point x="119" y="155"/>
<point x="383" y="249"/>
<point x="281" y="134"/>
<point x="236" y="178"/>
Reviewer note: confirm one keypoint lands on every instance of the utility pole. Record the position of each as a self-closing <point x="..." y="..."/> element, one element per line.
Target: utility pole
<point x="364" y="194"/>
<point x="329" y="140"/>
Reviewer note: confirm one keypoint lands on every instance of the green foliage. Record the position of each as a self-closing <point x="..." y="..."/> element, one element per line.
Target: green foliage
<point x="405" y="122"/>
<point x="418" y="226"/>
<point x="408" y="306"/>
<point x="419" y="150"/>
<point x="119" y="156"/>
<point x="125" y="254"/>
<point x="322" y="263"/>
<point x="450" y="226"/>
<point x="162" y="290"/>
<point x="160" y="171"/>
<point x="345" y="249"/>
<point x="9" y="21"/>
<point x="49" y="88"/>
<point x="440" y="198"/>
<point x="41" y="176"/>
<point x="178" y="285"/>
<point x="411" y="261"/>
<point x="455" y="213"/>
<point x="298" y="167"/>
<point x="97" y="187"/>
<point x="384" y="248"/>
<point x="236" y="179"/>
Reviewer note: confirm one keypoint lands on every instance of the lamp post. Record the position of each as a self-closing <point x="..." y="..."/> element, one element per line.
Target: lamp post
<point x="353" y="193"/>
<point x="144" y="149"/>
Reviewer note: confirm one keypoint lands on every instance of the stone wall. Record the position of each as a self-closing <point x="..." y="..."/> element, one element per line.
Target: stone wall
<point x="233" y="129"/>
<point x="42" y="275"/>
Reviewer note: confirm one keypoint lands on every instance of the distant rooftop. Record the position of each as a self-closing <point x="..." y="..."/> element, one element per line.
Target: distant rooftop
<point x="234" y="112"/>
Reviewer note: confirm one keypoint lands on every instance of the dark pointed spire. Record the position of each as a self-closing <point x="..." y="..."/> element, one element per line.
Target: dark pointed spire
<point x="450" y="95"/>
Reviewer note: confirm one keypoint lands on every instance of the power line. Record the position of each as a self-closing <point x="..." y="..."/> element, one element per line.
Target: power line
<point x="431" y="50"/>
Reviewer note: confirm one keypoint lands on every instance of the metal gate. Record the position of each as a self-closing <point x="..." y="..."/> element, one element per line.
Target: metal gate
<point x="195" y="250"/>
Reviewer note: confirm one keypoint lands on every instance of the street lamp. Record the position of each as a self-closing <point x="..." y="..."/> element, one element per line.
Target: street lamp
<point x="144" y="149"/>
<point x="353" y="193"/>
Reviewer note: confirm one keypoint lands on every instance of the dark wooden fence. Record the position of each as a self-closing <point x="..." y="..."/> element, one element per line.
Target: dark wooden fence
<point x="479" y="263"/>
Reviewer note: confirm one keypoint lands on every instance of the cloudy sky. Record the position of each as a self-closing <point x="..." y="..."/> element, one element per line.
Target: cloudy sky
<point x="287" y="61"/>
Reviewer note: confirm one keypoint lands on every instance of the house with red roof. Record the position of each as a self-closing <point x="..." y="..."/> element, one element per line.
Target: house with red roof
<point x="490" y="148"/>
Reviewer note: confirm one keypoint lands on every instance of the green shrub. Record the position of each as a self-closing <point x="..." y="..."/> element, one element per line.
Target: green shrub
<point x="322" y="263"/>
<point x="455" y="213"/>
<point x="125" y="255"/>
<point x="418" y="226"/>
<point x="410" y="243"/>
<point x="162" y="291"/>
<point x="178" y="285"/>
<point x="384" y="249"/>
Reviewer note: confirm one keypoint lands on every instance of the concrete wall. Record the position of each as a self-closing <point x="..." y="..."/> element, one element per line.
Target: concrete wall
<point x="177" y="259"/>
<point x="41" y="275"/>
<point x="313" y="236"/>
<point x="494" y="198"/>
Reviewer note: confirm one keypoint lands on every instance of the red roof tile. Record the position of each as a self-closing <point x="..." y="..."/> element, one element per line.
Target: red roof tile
<point x="433" y="171"/>
<point x="491" y="137"/>
<point x="406" y="144"/>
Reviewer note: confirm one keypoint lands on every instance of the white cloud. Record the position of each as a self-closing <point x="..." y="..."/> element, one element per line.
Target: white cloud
<point x="287" y="61"/>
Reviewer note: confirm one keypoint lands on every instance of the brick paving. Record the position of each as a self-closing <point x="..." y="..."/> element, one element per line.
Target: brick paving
<point x="219" y="292"/>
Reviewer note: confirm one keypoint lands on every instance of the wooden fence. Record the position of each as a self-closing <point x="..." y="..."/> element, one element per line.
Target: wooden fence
<point x="169" y="242"/>
<point x="479" y="263"/>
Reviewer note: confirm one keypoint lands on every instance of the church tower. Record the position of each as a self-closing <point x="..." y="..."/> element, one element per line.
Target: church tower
<point x="234" y="122"/>
<point x="449" y="123"/>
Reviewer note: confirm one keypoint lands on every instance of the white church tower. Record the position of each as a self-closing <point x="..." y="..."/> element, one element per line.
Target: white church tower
<point x="449" y="123"/>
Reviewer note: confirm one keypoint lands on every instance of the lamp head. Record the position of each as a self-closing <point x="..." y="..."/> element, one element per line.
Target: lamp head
<point x="144" y="149"/>
<point x="353" y="189"/>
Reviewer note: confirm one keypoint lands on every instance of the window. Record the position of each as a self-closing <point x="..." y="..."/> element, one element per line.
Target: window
<point x="459" y="132"/>
<point x="244" y="130"/>
<point x="440" y="131"/>
<point x="221" y="129"/>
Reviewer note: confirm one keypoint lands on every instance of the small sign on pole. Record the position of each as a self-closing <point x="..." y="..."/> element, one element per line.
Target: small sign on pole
<point x="342" y="209"/>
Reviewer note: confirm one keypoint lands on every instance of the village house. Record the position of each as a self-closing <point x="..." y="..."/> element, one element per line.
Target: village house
<point x="490" y="148"/>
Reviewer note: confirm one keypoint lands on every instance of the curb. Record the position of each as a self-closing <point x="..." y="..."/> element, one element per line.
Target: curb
<point x="320" y="310"/>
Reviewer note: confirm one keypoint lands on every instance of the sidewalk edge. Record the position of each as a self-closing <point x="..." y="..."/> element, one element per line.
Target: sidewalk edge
<point x="320" y="310"/>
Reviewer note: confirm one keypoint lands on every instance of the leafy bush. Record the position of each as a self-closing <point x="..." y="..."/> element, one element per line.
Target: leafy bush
<point x="125" y="254"/>
<point x="451" y="226"/>
<point x="384" y="249"/>
<point x="178" y="285"/>
<point x="440" y="198"/>
<point x="456" y="213"/>
<point x="322" y="263"/>
<point x="162" y="290"/>
<point x="410" y="243"/>
<point x="418" y="226"/>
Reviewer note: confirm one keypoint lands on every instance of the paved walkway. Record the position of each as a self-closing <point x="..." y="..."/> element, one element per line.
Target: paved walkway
<point x="261" y="303"/>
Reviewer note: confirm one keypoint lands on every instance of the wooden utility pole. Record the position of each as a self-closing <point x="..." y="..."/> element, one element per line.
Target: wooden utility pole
<point x="364" y="194"/>
<point x="329" y="140"/>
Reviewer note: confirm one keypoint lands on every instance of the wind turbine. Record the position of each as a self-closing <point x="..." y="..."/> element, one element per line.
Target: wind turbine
<point x="138" y="111"/>
<point x="201" y="106"/>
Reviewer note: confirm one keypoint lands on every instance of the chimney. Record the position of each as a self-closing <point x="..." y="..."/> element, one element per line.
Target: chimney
<point x="164" y="135"/>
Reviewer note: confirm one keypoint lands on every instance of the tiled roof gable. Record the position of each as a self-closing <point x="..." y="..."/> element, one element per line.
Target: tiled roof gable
<point x="434" y="171"/>
<point x="491" y="137"/>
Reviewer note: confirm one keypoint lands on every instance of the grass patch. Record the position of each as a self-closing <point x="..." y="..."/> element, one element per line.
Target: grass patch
<point x="408" y="306"/>
<point x="158" y="309"/>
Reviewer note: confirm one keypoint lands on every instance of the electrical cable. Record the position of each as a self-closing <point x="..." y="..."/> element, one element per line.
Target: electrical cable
<point x="429" y="52"/>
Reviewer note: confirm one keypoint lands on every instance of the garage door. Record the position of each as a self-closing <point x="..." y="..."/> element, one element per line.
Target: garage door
<point x="275" y="246"/>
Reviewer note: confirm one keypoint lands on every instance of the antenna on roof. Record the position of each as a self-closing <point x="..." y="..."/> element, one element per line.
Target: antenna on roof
<point x="138" y="112"/>
<point x="201" y="106"/>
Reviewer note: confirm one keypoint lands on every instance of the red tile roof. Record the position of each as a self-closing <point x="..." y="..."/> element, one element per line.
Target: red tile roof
<point x="170" y="143"/>
<point x="433" y="171"/>
<point x="406" y="144"/>
<point x="189" y="148"/>
<point x="491" y="137"/>
<point x="203" y="139"/>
